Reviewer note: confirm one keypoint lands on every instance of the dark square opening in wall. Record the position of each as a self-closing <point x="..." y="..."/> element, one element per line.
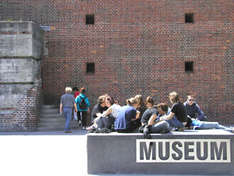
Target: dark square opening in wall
<point x="89" y="19"/>
<point x="90" y="68"/>
<point x="188" y="66"/>
<point x="189" y="18"/>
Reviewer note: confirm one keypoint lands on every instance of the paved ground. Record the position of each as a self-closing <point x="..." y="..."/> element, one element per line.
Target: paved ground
<point x="44" y="154"/>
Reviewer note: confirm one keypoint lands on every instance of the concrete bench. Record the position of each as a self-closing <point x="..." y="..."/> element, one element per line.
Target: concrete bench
<point x="202" y="152"/>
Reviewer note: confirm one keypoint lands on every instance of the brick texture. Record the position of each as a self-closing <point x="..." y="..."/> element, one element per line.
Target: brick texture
<point x="25" y="116"/>
<point x="138" y="47"/>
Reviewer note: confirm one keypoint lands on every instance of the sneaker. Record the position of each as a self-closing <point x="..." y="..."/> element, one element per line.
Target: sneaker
<point x="90" y="127"/>
<point x="79" y="122"/>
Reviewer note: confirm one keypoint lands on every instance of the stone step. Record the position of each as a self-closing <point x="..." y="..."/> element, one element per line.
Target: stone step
<point x="56" y="115"/>
<point x="51" y="120"/>
<point x="49" y="111"/>
<point x="56" y="127"/>
<point x="49" y="106"/>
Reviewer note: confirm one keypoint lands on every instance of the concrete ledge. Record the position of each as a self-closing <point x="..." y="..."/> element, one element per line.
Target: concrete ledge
<point x="205" y="152"/>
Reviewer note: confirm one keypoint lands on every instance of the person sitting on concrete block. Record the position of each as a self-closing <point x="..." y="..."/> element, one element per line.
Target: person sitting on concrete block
<point x="193" y="110"/>
<point x="124" y="122"/>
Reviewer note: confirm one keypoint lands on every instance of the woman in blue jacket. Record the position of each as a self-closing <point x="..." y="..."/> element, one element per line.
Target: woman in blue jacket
<point x="126" y="116"/>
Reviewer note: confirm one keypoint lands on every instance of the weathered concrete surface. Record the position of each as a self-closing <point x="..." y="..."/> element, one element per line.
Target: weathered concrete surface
<point x="10" y="94"/>
<point x="20" y="39"/>
<point x="19" y="70"/>
<point x="117" y="154"/>
<point x="21" y="47"/>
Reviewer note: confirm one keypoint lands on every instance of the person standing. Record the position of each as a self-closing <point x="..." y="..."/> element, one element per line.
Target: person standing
<point x="67" y="102"/>
<point x="76" y="93"/>
<point x="193" y="110"/>
<point x="83" y="105"/>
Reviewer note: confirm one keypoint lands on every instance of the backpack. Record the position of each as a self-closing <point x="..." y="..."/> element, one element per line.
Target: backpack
<point x="82" y="104"/>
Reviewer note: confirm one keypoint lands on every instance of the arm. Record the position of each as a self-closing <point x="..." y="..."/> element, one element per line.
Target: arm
<point x="138" y="114"/>
<point x="61" y="108"/>
<point x="199" y="112"/>
<point x="152" y="119"/>
<point x="75" y="107"/>
<point x="167" y="117"/>
<point x="107" y="112"/>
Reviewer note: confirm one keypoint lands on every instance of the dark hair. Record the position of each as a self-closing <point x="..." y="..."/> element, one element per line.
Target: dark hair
<point x="163" y="106"/>
<point x="150" y="100"/>
<point x="75" y="89"/>
<point x="111" y="100"/>
<point x="82" y="90"/>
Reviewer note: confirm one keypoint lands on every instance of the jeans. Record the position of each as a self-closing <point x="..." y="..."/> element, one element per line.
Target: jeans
<point x="175" y="123"/>
<point x="68" y="115"/>
<point x="105" y="122"/>
<point x="210" y="125"/>
<point x="161" y="127"/>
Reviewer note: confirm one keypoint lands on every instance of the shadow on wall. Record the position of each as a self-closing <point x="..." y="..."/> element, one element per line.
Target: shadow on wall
<point x="50" y="99"/>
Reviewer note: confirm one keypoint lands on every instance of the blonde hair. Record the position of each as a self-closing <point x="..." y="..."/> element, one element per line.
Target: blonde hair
<point x="101" y="99"/>
<point x="174" y="97"/>
<point x="68" y="89"/>
<point x="132" y="101"/>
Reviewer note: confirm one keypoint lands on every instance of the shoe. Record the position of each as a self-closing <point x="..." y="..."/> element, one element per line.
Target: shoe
<point x="67" y="131"/>
<point x="79" y="122"/>
<point x="180" y="129"/>
<point x="83" y="128"/>
<point x="90" y="128"/>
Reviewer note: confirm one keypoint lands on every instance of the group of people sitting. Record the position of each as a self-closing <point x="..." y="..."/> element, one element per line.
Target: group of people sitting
<point x="146" y="117"/>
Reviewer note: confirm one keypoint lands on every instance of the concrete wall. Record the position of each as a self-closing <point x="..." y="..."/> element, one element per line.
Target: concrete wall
<point x="21" y="49"/>
<point x="120" y="153"/>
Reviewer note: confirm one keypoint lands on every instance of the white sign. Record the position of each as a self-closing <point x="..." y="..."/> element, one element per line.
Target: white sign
<point x="183" y="150"/>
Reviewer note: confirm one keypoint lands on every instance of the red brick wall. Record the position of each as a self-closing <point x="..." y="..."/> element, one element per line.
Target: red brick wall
<point x="138" y="47"/>
<point x="25" y="116"/>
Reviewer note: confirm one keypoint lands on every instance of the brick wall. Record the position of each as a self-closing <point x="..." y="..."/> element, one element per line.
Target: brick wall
<point x="138" y="47"/>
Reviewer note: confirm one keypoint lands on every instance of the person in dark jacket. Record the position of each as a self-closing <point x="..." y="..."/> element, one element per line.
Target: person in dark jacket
<point x="193" y="110"/>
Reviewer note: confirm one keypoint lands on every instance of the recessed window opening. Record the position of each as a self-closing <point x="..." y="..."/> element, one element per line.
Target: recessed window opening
<point x="189" y="18"/>
<point x="89" y="19"/>
<point x="188" y="66"/>
<point x="90" y="68"/>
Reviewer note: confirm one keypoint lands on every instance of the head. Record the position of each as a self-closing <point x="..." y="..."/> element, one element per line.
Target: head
<point x="139" y="100"/>
<point x="109" y="101"/>
<point x="82" y="90"/>
<point x="174" y="97"/>
<point x="75" y="89"/>
<point x="132" y="102"/>
<point x="190" y="99"/>
<point x="68" y="90"/>
<point x="162" y="108"/>
<point x="102" y="100"/>
<point x="149" y="102"/>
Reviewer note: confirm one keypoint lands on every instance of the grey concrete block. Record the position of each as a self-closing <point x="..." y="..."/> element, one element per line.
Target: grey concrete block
<point x="119" y="153"/>
<point x="21" y="39"/>
<point x="19" y="70"/>
<point x="11" y="94"/>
